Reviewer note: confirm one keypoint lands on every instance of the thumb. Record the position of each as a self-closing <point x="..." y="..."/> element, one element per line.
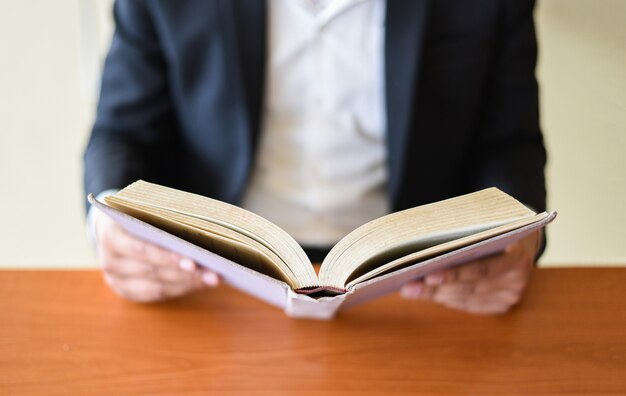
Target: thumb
<point x="206" y="279"/>
<point x="202" y="278"/>
<point x="414" y="290"/>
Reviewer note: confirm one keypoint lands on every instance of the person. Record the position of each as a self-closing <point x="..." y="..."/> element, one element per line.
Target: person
<point x="320" y="115"/>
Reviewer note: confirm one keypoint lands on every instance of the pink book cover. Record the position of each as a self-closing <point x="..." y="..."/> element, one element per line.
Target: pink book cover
<point x="280" y="294"/>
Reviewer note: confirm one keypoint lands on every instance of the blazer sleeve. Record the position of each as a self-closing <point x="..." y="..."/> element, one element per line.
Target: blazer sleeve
<point x="508" y="145"/>
<point x="134" y="125"/>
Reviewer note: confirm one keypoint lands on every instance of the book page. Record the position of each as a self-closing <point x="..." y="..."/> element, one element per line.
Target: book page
<point x="399" y="234"/>
<point x="454" y="241"/>
<point x="263" y="287"/>
<point x="392" y="281"/>
<point x="198" y="209"/>
<point x="216" y="239"/>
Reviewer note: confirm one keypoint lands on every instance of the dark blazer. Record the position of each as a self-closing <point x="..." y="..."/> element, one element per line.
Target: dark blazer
<point x="182" y="98"/>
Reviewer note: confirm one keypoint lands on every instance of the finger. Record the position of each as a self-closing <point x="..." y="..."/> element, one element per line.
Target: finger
<point x="417" y="290"/>
<point x="122" y="267"/>
<point x="173" y="290"/>
<point x="136" y="289"/>
<point x="510" y="285"/>
<point x="493" y="304"/>
<point x="114" y="264"/>
<point x="187" y="265"/>
<point x="208" y="278"/>
<point x="197" y="281"/>
<point x="412" y="290"/>
<point x="173" y="275"/>
<point x="146" y="290"/>
<point x="125" y="267"/>
<point x="514" y="280"/>
<point x="121" y="243"/>
<point x="458" y="304"/>
<point x="453" y="291"/>
<point x="204" y="276"/>
<point x="492" y="308"/>
<point x="491" y="266"/>
<point x="496" y="302"/>
<point x="464" y="273"/>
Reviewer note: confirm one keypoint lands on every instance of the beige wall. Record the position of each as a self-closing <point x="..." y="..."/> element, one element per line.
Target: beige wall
<point x="46" y="86"/>
<point x="42" y="130"/>
<point x="582" y="74"/>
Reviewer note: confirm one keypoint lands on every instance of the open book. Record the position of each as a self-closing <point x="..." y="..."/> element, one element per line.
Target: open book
<point x="257" y="257"/>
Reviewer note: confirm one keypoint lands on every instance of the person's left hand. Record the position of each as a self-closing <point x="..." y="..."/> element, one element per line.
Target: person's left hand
<point x="486" y="286"/>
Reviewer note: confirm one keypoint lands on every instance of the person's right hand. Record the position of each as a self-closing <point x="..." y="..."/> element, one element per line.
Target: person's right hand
<point x="143" y="272"/>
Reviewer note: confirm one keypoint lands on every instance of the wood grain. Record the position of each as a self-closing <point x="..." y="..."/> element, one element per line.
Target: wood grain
<point x="65" y="332"/>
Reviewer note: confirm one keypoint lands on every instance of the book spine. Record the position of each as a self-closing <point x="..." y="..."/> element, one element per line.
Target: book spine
<point x="304" y="307"/>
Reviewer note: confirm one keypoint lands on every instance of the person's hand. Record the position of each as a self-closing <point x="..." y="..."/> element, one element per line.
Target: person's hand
<point x="490" y="285"/>
<point x="143" y="272"/>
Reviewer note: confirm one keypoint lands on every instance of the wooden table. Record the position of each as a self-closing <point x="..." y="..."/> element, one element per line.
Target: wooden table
<point x="66" y="333"/>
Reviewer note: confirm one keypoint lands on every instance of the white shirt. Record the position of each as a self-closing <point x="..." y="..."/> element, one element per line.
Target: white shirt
<point x="321" y="164"/>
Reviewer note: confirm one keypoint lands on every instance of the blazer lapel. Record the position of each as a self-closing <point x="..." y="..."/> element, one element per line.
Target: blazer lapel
<point x="405" y="26"/>
<point x="250" y="41"/>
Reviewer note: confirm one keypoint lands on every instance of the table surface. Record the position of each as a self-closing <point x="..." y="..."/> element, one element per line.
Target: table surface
<point x="65" y="332"/>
